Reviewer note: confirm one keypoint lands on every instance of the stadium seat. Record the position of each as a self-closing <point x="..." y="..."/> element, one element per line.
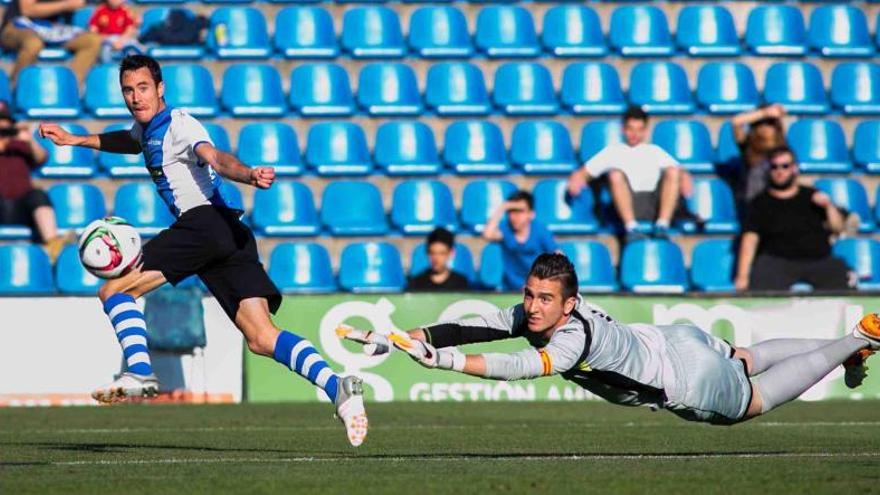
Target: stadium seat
<point x="820" y="146"/>
<point x="592" y="263"/>
<point x="727" y="152"/>
<point x="371" y="267"/>
<point x="418" y="206"/>
<point x="798" y="86"/>
<point x="338" y="148"/>
<point x="47" y="91"/>
<point x="506" y="31"/>
<point x="480" y="198"/>
<point x="714" y="262"/>
<point x="866" y="145"/>
<point x="726" y="88"/>
<point x="592" y="88"/>
<point x="353" y="208"/>
<point x="849" y="194"/>
<point x="688" y="141"/>
<point x="475" y="147"/>
<point x="863" y="257"/>
<point x="103" y="98"/>
<point x="372" y="32"/>
<point x="140" y="204"/>
<point x="66" y="161"/>
<point x="321" y="90"/>
<point x="71" y="277"/>
<point x="389" y="89"/>
<point x="713" y="202"/>
<point x="523" y="88"/>
<point x="491" y="271"/>
<point x="272" y="144"/>
<point x="406" y="148"/>
<point x="653" y="266"/>
<point x="5" y="93"/>
<point x="640" y="31"/>
<point x="706" y="31"/>
<point x="305" y="32"/>
<point x="573" y="31"/>
<point x="190" y="87"/>
<point x="15" y="232"/>
<point x="776" y="30"/>
<point x="252" y="90"/>
<point x="25" y="269"/>
<point x="76" y="205"/>
<point x="285" y="209"/>
<point x="840" y="31"/>
<point x="218" y="136"/>
<point x="561" y="213"/>
<point x="462" y="261"/>
<point x="598" y="134"/>
<point x="855" y="88"/>
<point x="238" y="33"/>
<point x="439" y="32"/>
<point x="660" y="87"/>
<point x="302" y="268"/>
<point x="456" y="88"/>
<point x="542" y="147"/>
<point x="156" y="16"/>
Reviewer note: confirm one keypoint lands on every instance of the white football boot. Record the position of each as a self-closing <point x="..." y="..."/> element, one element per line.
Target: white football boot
<point x="127" y="385"/>
<point x="350" y="409"/>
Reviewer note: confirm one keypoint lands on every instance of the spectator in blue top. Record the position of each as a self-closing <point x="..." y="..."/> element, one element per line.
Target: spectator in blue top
<point x="522" y="238"/>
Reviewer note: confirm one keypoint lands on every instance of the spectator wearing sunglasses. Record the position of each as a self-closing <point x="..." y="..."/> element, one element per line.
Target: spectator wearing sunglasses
<point x="787" y="234"/>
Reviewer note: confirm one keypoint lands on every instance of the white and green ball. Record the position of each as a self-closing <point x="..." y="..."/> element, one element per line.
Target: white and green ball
<point x="109" y="247"/>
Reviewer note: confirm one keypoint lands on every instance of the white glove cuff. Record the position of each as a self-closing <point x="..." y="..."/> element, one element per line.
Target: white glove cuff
<point x="450" y="359"/>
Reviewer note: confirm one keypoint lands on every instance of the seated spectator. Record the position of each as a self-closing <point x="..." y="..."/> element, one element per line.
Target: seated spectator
<point x="756" y="132"/>
<point x="522" y="238"/>
<point x="118" y="27"/>
<point x="29" y="25"/>
<point x="439" y="277"/>
<point x="789" y="227"/>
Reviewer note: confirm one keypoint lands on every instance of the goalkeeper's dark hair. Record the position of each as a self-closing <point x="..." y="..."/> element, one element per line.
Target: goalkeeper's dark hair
<point x="135" y="62"/>
<point x="555" y="266"/>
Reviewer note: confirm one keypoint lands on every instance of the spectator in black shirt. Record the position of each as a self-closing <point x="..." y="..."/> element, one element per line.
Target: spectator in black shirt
<point x="438" y="277"/>
<point x="789" y="226"/>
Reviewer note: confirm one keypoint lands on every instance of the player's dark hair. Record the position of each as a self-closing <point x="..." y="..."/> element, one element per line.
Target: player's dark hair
<point x="522" y="195"/>
<point x="555" y="266"/>
<point x="634" y="112"/>
<point x="780" y="150"/>
<point x="135" y="62"/>
<point x="442" y="236"/>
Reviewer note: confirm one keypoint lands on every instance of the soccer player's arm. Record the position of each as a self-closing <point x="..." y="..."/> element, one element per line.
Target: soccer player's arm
<point x="231" y="167"/>
<point x="112" y="142"/>
<point x="484" y="328"/>
<point x="560" y="355"/>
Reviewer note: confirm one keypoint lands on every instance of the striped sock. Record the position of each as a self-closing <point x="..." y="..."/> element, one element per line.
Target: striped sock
<point x="131" y="330"/>
<point x="300" y="356"/>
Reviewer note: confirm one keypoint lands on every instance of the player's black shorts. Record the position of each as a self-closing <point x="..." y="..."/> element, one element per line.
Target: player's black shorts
<point x="20" y="211"/>
<point x="212" y="243"/>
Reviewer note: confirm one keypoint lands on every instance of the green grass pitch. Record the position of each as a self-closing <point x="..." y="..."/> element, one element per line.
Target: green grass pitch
<point x="830" y="447"/>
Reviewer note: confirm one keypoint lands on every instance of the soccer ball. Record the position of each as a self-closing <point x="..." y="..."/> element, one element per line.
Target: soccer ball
<point x="109" y="247"/>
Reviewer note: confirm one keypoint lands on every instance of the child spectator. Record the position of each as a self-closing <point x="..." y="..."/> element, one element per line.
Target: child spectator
<point x="118" y="26"/>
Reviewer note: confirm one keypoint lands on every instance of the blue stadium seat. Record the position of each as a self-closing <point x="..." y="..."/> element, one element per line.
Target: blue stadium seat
<point x="653" y="266"/>
<point x="863" y="257"/>
<point x="285" y="209"/>
<point x="592" y="88"/>
<point x="338" y="148"/>
<point x="707" y="31"/>
<point x="713" y="265"/>
<point x="272" y="144"/>
<point x="67" y="161"/>
<point x="573" y="31"/>
<point x="866" y="145"/>
<point x="776" y="30"/>
<point x="542" y="147"/>
<point x="840" y="31"/>
<point x="353" y="208"/>
<point x="798" y="86"/>
<point x="157" y="15"/>
<point x="372" y="32"/>
<point x="598" y="134"/>
<point x="421" y="205"/>
<point x="457" y="88"/>
<point x="660" y="87"/>
<point x="238" y="33"/>
<point x="727" y="87"/>
<point x="523" y="88"/>
<point x="71" y="277"/>
<point x="103" y="98"/>
<point x="475" y="147"/>
<point x="462" y="261"/>
<point x="190" y="87"/>
<point x="439" y="32"/>
<point x="713" y="202"/>
<point x="506" y="31"/>
<point x="561" y="213"/>
<point x="849" y="194"/>
<point x="15" y="232"/>
<point x="389" y="89"/>
<point x="855" y="88"/>
<point x="321" y="90"/>
<point x="305" y="32"/>
<point x="76" y="205"/>
<point x="371" y="267"/>
<point x="140" y="204"/>
<point x="253" y="90"/>
<point x="82" y="17"/>
<point x="491" y="271"/>
<point x="302" y="268"/>
<point x="592" y="263"/>
<point x="218" y="136"/>
<point x="820" y="146"/>
<point x="406" y="148"/>
<point x="688" y="141"/>
<point x="25" y="269"/>
<point x="47" y="91"/>
<point x="640" y="31"/>
<point x="480" y="198"/>
<point x="5" y="93"/>
<point x="727" y="152"/>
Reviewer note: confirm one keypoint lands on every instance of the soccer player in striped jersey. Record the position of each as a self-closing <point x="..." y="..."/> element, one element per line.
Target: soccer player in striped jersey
<point x="676" y="367"/>
<point x="207" y="239"/>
